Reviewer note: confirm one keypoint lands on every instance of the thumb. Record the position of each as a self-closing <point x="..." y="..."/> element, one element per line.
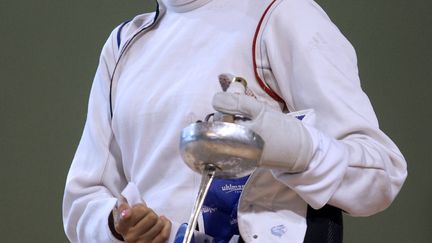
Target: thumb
<point x="122" y="204"/>
<point x="122" y="214"/>
<point x="121" y="211"/>
<point x="237" y="104"/>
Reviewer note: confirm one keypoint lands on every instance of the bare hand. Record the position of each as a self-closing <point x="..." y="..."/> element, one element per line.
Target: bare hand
<point x="142" y="225"/>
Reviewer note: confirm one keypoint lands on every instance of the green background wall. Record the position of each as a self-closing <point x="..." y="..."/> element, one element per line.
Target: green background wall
<point x="49" y="52"/>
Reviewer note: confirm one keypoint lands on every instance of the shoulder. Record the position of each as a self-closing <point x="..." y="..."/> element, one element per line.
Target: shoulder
<point x="299" y="17"/>
<point x="300" y="10"/>
<point x="302" y="24"/>
<point x="129" y="28"/>
<point x="121" y="34"/>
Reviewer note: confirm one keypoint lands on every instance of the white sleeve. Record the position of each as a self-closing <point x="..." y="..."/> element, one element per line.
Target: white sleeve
<point x="94" y="181"/>
<point x="355" y="166"/>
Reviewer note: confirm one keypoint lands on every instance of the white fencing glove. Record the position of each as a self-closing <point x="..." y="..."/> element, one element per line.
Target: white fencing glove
<point x="288" y="144"/>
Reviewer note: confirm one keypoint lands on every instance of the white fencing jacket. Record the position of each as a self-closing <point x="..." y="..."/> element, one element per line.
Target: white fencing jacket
<point x="162" y="76"/>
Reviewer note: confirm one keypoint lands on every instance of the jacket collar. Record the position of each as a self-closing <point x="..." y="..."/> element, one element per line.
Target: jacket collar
<point x="182" y="5"/>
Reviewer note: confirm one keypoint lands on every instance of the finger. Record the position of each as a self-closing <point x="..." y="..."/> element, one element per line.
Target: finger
<point x="164" y="234"/>
<point x="137" y="213"/>
<point x="237" y="104"/>
<point x="152" y="232"/>
<point x="122" y="206"/>
<point x="144" y="228"/>
<point x="130" y="216"/>
<point x="237" y="87"/>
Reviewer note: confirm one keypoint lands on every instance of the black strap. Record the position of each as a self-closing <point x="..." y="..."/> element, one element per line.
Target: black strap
<point x="324" y="225"/>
